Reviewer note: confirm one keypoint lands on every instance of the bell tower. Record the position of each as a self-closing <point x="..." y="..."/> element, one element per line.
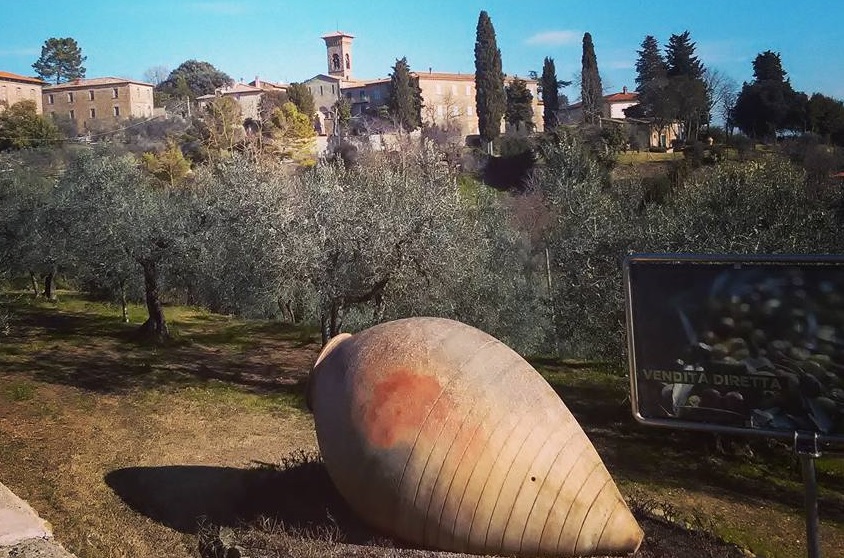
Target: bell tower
<point x="339" y="49"/>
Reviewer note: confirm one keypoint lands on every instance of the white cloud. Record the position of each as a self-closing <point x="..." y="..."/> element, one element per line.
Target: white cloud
<point x="562" y="37"/>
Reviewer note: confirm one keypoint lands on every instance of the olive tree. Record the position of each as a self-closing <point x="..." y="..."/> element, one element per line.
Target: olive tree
<point x="755" y="207"/>
<point x="122" y="228"/>
<point x="32" y="240"/>
<point x="593" y="226"/>
<point x="243" y="255"/>
<point x="362" y="233"/>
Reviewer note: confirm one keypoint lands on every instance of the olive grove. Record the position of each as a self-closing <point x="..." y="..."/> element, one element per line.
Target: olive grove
<point x="394" y="235"/>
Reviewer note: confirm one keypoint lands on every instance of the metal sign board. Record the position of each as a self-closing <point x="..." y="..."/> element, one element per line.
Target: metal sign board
<point x="742" y="345"/>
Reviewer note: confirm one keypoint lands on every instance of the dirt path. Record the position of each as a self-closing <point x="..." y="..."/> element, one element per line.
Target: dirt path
<point x="64" y="434"/>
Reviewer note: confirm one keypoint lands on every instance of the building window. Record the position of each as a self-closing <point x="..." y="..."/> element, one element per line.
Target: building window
<point x="348" y="62"/>
<point x="469" y="110"/>
<point x="91" y="95"/>
<point x="70" y="96"/>
<point x="455" y="111"/>
<point x="50" y="99"/>
<point x="116" y="111"/>
<point x="332" y="89"/>
<point x="335" y="61"/>
<point x="440" y="110"/>
<point x="348" y="94"/>
<point x="320" y="91"/>
<point x="439" y="89"/>
<point x="72" y="115"/>
<point x="360" y="93"/>
<point x="32" y="93"/>
<point x="113" y="93"/>
<point x="93" y="113"/>
<point x="453" y="89"/>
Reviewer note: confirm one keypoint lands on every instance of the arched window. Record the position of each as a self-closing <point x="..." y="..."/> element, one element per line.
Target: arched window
<point x="335" y="60"/>
<point x="348" y="62"/>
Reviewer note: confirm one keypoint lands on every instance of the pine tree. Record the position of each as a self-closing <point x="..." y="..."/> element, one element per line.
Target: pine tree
<point x="61" y="60"/>
<point x="490" y="99"/>
<point x="549" y="85"/>
<point x="591" y="91"/>
<point x="405" y="101"/>
<point x="519" y="105"/>
<point x="689" y="98"/>
<point x="655" y="102"/>
<point x="680" y="57"/>
<point x="650" y="66"/>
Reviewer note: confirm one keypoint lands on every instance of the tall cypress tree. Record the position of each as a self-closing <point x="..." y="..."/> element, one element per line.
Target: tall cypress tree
<point x="490" y="99"/>
<point x="591" y="91"/>
<point x="405" y="101"/>
<point x="549" y="85"/>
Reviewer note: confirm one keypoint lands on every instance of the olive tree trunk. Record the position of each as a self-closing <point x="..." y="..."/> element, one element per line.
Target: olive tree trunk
<point x="155" y="326"/>
<point x="48" y="285"/>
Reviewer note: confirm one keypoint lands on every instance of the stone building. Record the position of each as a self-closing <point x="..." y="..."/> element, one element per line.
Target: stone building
<point x="448" y="99"/>
<point x="15" y="88"/>
<point x="99" y="103"/>
<point x="247" y="97"/>
<point x="645" y="133"/>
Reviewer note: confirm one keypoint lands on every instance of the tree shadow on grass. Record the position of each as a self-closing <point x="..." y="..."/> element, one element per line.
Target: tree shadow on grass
<point x="101" y="354"/>
<point x="298" y="494"/>
<point x="299" y="498"/>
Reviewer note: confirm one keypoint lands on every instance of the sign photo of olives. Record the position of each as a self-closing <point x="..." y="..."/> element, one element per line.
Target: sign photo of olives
<point x="724" y="344"/>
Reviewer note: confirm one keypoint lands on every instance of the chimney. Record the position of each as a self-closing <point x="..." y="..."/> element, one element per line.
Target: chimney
<point x="624" y="89"/>
<point x="257" y="82"/>
<point x="429" y="69"/>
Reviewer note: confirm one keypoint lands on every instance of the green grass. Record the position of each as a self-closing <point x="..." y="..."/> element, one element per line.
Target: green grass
<point x="19" y="391"/>
<point x="82" y="344"/>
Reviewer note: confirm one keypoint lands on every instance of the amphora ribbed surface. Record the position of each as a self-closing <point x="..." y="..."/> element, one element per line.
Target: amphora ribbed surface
<point x="442" y="436"/>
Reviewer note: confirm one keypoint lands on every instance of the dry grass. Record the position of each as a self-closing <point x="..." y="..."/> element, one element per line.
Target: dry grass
<point x="127" y="449"/>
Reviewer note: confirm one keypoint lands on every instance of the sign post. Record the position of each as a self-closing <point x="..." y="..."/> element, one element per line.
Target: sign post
<point x="742" y="345"/>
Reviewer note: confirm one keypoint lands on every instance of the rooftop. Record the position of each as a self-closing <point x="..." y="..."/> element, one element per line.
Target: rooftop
<point x="445" y="76"/>
<point x="337" y="34"/>
<point x="95" y="82"/>
<point x="17" y="77"/>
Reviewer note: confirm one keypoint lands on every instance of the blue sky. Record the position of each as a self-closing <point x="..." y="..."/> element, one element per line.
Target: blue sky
<point x="280" y="40"/>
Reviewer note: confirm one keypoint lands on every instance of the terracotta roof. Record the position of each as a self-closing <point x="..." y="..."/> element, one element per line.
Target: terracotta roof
<point x="95" y="82"/>
<point x="611" y="98"/>
<point x="362" y="83"/>
<point x="268" y="85"/>
<point x="445" y="76"/>
<point x="235" y="89"/>
<point x="338" y="34"/>
<point x="16" y="77"/>
<point x="623" y="97"/>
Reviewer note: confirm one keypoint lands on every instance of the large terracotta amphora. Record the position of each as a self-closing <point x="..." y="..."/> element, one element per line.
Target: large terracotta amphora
<point x="441" y="435"/>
